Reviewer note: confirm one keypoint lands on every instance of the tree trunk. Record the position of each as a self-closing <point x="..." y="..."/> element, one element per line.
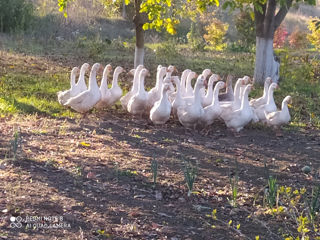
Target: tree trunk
<point x="124" y="13"/>
<point x="139" y="48"/>
<point x="266" y="65"/>
<point x="266" y="24"/>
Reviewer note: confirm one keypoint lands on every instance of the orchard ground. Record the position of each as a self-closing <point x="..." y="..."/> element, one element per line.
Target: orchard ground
<point x="95" y="171"/>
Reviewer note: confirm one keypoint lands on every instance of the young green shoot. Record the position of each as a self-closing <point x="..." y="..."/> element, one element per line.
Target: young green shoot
<point x="190" y="174"/>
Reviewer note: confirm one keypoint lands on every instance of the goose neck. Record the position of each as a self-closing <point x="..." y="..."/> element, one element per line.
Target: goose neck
<point x="270" y="96"/>
<point x="93" y="80"/>
<point x="115" y="78"/>
<point x="244" y="100"/>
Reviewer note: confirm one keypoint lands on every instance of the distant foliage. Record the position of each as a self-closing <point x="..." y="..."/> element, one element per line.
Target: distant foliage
<point x="298" y="39"/>
<point x="15" y="15"/>
<point x="194" y="37"/>
<point x="280" y="37"/>
<point x="215" y="35"/>
<point x="246" y="29"/>
<point x="314" y="36"/>
<point x="167" y="49"/>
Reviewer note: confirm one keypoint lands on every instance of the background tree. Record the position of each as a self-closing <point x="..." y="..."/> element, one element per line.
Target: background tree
<point x="139" y="19"/>
<point x="268" y="15"/>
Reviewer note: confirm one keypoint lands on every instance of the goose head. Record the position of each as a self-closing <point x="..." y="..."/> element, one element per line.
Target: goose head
<point x="288" y="99"/>
<point x="213" y="78"/>
<point x="201" y="81"/>
<point x="268" y="80"/>
<point x="185" y="74"/>
<point x="74" y="72"/>
<point x="220" y="85"/>
<point x="143" y="73"/>
<point x="273" y="86"/>
<point x="119" y="70"/>
<point x="96" y="67"/>
<point x="191" y="76"/>
<point x="171" y="69"/>
<point x="85" y="67"/>
<point x="107" y="69"/>
<point x="206" y="72"/>
<point x="246" y="79"/>
<point x="162" y="72"/>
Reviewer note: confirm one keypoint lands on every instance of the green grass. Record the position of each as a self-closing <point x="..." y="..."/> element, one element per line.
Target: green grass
<point x="29" y="94"/>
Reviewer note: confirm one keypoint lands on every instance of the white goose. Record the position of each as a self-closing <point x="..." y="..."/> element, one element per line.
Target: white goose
<point x="138" y="102"/>
<point x="206" y="72"/>
<point x="213" y="111"/>
<point x="229" y="94"/>
<point x="155" y="93"/>
<point x="115" y="90"/>
<point x="281" y="117"/>
<point x="160" y="112"/>
<point x="207" y="99"/>
<point x="190" y="113"/>
<point x="269" y="107"/>
<point x="230" y="106"/>
<point x="104" y="90"/>
<point x="246" y="80"/>
<point x="87" y="99"/>
<point x="171" y="91"/>
<point x="135" y="85"/>
<point x="63" y="96"/>
<point x="189" y="89"/>
<point x="178" y="100"/>
<point x="184" y="76"/>
<point x="241" y="117"/>
<point x="262" y="100"/>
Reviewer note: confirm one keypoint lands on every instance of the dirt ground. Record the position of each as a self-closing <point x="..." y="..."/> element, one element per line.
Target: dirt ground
<point x="95" y="174"/>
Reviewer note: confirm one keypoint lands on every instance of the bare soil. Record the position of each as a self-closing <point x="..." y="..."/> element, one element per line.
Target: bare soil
<point x="95" y="173"/>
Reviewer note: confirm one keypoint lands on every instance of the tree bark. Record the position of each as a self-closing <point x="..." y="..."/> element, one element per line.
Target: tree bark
<point x="266" y="24"/>
<point x="266" y="65"/>
<point x="124" y="13"/>
<point x="139" y="48"/>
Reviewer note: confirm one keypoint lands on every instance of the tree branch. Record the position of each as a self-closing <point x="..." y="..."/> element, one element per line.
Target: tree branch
<point x="282" y="14"/>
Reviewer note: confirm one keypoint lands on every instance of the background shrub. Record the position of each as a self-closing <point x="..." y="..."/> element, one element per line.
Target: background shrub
<point x="215" y="36"/>
<point x="246" y="29"/>
<point x="15" y="15"/>
<point x="194" y="37"/>
<point x="314" y="36"/>
<point x="280" y="37"/>
<point x="298" y="39"/>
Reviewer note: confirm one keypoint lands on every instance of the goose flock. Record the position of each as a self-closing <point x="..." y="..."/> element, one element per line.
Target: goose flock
<point x="194" y="106"/>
